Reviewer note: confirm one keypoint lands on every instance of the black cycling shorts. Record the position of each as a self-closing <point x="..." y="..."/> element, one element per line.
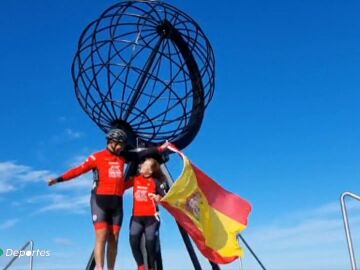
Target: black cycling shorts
<point x="107" y="211"/>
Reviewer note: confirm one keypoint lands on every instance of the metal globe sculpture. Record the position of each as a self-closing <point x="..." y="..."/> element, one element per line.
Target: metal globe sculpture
<point x="147" y="68"/>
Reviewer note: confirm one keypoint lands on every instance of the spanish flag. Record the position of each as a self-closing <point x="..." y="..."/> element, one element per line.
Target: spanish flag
<point x="212" y="216"/>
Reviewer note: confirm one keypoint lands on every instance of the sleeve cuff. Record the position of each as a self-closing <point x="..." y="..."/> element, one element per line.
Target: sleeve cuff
<point x="59" y="179"/>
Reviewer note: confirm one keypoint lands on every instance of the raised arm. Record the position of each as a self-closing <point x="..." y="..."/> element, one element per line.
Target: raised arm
<point x="136" y="155"/>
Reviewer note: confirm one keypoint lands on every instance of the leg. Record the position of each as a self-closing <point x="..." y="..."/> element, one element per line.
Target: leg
<point x="101" y="237"/>
<point x="112" y="241"/>
<point x="136" y="230"/>
<point x="101" y="228"/>
<point x="113" y="236"/>
<point x="151" y="231"/>
<point x="158" y="257"/>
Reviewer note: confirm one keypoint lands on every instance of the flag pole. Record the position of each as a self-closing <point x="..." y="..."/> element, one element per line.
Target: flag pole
<point x="251" y="251"/>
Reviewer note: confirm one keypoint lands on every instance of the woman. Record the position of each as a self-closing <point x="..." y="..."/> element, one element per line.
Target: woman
<point x="148" y="188"/>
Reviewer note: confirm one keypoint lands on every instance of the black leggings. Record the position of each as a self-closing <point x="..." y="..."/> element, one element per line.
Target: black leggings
<point x="150" y="226"/>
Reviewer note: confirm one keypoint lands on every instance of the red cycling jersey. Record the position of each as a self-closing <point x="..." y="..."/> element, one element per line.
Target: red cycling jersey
<point x="108" y="171"/>
<point x="142" y="204"/>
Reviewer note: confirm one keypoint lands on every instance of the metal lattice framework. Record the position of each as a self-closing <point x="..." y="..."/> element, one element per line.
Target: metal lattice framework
<point x="145" y="67"/>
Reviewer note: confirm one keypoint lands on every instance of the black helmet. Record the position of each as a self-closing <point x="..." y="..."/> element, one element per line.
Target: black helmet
<point x="116" y="135"/>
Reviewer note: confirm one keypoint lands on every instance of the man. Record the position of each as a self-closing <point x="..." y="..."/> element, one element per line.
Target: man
<point x="106" y="201"/>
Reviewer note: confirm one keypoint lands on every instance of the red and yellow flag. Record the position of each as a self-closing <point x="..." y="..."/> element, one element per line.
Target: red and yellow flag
<point x="212" y="216"/>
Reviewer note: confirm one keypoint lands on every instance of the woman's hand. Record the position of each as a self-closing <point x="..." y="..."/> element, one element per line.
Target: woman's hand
<point x="164" y="146"/>
<point x="155" y="197"/>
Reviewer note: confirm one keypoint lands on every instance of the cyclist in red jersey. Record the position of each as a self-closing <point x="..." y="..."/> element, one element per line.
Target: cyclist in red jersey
<point x="148" y="188"/>
<point x="108" y="168"/>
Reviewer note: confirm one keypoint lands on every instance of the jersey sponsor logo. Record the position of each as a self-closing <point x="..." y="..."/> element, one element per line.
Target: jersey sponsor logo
<point x="115" y="171"/>
<point x="141" y="195"/>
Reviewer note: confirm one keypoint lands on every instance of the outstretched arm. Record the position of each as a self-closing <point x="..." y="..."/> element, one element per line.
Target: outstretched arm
<point x="89" y="164"/>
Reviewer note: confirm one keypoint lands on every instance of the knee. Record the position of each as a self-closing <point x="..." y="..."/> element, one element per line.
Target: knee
<point x="150" y="242"/>
<point x="112" y="250"/>
<point x="101" y="236"/>
<point x="112" y="239"/>
<point x="134" y="240"/>
<point x="150" y="238"/>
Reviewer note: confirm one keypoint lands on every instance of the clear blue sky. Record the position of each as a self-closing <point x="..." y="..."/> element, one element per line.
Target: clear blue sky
<point x="282" y="130"/>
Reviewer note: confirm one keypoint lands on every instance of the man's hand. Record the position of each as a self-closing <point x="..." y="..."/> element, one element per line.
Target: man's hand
<point x="52" y="182"/>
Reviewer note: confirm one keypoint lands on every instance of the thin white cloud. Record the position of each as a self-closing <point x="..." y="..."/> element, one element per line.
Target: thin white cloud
<point x="62" y="241"/>
<point x="67" y="135"/>
<point x="15" y="204"/>
<point x="41" y="199"/>
<point x="62" y="119"/>
<point x="83" y="182"/>
<point x="35" y="176"/>
<point x="76" y="160"/>
<point x="73" y="134"/>
<point x="14" y="176"/>
<point x="6" y="187"/>
<point x="9" y="224"/>
<point x="75" y="204"/>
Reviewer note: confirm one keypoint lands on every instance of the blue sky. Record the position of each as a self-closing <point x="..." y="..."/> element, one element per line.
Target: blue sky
<point x="282" y="129"/>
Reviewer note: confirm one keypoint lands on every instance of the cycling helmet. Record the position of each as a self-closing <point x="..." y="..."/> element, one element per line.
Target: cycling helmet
<point x="116" y="135"/>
